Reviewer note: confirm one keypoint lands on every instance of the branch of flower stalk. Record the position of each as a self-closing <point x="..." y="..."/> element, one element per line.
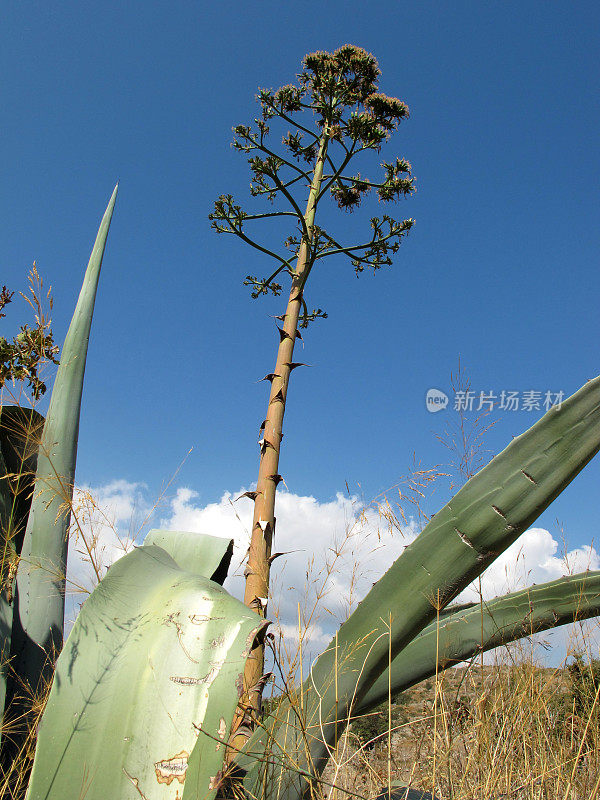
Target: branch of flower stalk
<point x="258" y="192"/>
<point x="290" y="164"/>
<point x="311" y="316"/>
<point x="257" y="246"/>
<point x="351" y="178"/>
<point x="297" y="124"/>
<point x="262" y="286"/>
<point x="292" y="202"/>
<point x="337" y="172"/>
<point x="404" y="227"/>
<point x="256" y="145"/>
<point x="272" y="214"/>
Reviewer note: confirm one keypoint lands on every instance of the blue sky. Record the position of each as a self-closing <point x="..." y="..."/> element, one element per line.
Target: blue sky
<point x="500" y="269"/>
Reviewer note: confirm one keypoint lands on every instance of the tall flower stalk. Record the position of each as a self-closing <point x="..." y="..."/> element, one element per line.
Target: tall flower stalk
<point x="334" y="114"/>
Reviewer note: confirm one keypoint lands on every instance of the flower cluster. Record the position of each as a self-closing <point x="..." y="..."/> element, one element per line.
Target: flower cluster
<point x="226" y="211"/>
<point x="294" y="143"/>
<point x="262" y="286"/>
<point x="349" y="196"/>
<point x="350" y="73"/>
<point x="333" y="114"/>
<point x="388" y="111"/>
<point x="395" y="184"/>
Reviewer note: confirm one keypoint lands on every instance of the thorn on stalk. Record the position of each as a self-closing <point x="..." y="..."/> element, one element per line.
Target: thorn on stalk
<point x="264" y="445"/>
<point x="270" y="377"/>
<point x="278" y="398"/>
<point x="260" y="684"/>
<point x="277" y="479"/>
<point x="291" y="365"/>
<point x="250" y="495"/>
<point x="259" y="603"/>
<point x="283" y="334"/>
<point x="276" y="555"/>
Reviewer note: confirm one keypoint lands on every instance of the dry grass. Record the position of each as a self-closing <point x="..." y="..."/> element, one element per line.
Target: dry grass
<point x="505" y="731"/>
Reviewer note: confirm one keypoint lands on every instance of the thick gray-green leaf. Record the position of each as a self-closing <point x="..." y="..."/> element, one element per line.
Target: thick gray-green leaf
<point x="20" y="431"/>
<point x="477" y="628"/>
<point x="150" y="672"/>
<point x="40" y="598"/>
<point x="195" y="552"/>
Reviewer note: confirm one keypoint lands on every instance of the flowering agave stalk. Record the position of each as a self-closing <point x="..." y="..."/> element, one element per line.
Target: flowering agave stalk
<point x="334" y="114"/>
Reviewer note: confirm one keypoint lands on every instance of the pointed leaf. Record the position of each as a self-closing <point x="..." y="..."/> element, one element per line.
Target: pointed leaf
<point x="38" y="625"/>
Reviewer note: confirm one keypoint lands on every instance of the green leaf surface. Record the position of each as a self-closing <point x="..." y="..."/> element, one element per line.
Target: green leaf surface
<point x="147" y="678"/>
<point x="20" y="429"/>
<point x="39" y="613"/>
<point x="195" y="552"/>
<point x="464" y="631"/>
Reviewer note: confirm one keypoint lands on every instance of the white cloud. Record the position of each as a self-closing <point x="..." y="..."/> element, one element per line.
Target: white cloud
<point x="534" y="558"/>
<point x="335" y="552"/>
<point x="531" y="559"/>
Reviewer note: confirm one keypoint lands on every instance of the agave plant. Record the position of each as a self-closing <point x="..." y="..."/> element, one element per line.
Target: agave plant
<point x="147" y="684"/>
<point x="145" y="689"/>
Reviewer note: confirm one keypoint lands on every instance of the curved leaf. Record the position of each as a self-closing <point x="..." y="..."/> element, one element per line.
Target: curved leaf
<point x="147" y="676"/>
<point x="195" y="552"/>
<point x="502" y="620"/>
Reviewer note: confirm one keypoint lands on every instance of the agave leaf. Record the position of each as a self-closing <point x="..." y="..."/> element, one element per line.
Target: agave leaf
<point x="20" y="432"/>
<point x="20" y="429"/>
<point x="195" y="552"/>
<point x="146" y="678"/>
<point x="502" y="620"/>
<point x="485" y="517"/>
<point x="39" y="611"/>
